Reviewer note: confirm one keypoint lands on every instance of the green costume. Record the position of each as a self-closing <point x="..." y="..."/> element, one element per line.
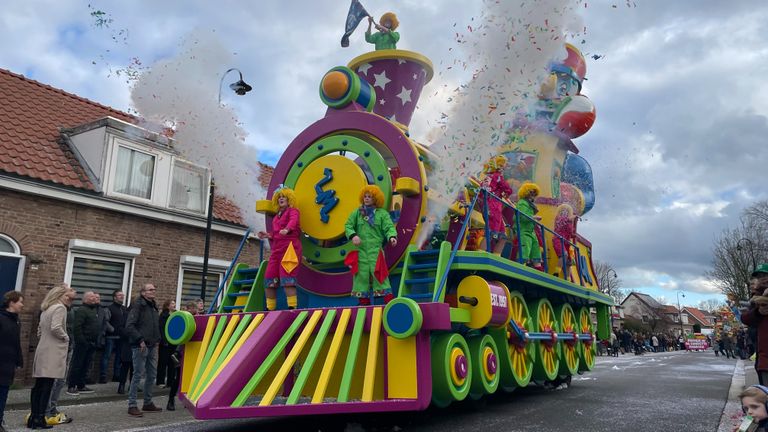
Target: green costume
<point x="383" y="40"/>
<point x="529" y="243"/>
<point x="372" y="237"/>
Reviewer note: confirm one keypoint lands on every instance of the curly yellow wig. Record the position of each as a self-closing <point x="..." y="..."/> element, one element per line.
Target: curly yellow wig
<point x="527" y="188"/>
<point x="389" y="16"/>
<point x="286" y="192"/>
<point x="496" y="163"/>
<point x="376" y="193"/>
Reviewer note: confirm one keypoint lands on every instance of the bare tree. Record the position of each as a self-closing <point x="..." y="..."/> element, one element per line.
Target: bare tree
<point x="737" y="251"/>
<point x="608" y="281"/>
<point x="711" y="305"/>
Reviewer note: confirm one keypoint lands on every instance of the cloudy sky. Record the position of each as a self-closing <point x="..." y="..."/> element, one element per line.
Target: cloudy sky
<point x="677" y="151"/>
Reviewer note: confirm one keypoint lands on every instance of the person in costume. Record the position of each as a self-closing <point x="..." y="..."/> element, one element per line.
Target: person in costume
<point x="386" y="37"/>
<point x="529" y="243"/>
<point x="496" y="184"/>
<point x="286" y="248"/>
<point x="370" y="227"/>
<point x="565" y="226"/>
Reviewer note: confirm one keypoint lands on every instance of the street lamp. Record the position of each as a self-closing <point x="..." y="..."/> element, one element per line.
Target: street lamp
<point x="240" y="87"/>
<point x="680" y="312"/>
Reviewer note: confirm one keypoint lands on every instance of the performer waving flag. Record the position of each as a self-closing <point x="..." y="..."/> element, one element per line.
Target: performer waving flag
<point x="356" y="14"/>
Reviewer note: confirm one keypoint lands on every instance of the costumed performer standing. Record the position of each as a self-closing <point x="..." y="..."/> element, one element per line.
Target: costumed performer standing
<point x="386" y="37"/>
<point x="370" y="228"/>
<point x="565" y="226"/>
<point x="529" y="242"/>
<point x="496" y="184"/>
<point x="286" y="248"/>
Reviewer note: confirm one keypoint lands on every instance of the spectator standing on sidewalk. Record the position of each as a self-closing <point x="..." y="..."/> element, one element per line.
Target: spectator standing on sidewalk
<point x="143" y="328"/>
<point x="86" y="328"/>
<point x="103" y="315"/>
<point x="51" y="354"/>
<point x="164" y="367"/>
<point x="756" y="317"/>
<point x="117" y="316"/>
<point x="10" y="345"/>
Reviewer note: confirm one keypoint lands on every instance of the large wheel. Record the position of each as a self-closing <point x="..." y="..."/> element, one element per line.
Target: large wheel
<point x="451" y="366"/>
<point x="485" y="366"/>
<point x="571" y="347"/>
<point x="547" y="364"/>
<point x="517" y="365"/>
<point x="587" y="350"/>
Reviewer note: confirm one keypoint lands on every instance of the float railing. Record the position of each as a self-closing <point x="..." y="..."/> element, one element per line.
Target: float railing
<point x="229" y="270"/>
<point x="444" y="277"/>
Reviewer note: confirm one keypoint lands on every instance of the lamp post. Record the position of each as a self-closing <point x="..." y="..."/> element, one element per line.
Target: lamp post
<point x="240" y="88"/>
<point x="680" y="313"/>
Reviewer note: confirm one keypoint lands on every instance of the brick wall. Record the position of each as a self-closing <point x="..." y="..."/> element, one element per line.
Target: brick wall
<point x="43" y="228"/>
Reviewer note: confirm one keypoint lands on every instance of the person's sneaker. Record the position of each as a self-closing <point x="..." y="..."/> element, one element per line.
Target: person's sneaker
<point x="151" y="408"/>
<point x="135" y="411"/>
<point x="72" y="391"/>
<point x="61" y="418"/>
<point x="85" y="390"/>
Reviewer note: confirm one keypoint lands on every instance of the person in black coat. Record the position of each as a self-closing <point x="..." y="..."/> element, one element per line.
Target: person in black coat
<point x="10" y="345"/>
<point x="164" y="364"/>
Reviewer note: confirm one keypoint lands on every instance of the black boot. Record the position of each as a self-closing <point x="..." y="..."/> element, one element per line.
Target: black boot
<point x="40" y="423"/>
<point x="121" y="388"/>
<point x="171" y="405"/>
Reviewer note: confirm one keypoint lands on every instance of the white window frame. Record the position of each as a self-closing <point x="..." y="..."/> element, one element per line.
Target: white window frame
<point x="206" y="185"/>
<point x="195" y="263"/>
<point x="16" y="254"/>
<point x="112" y="170"/>
<point x="105" y="252"/>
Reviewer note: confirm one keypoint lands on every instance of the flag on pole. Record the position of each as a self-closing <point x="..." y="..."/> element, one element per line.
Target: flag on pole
<point x="356" y="14"/>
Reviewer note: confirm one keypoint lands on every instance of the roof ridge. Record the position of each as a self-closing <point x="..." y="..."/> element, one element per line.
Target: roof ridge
<point x="65" y="93"/>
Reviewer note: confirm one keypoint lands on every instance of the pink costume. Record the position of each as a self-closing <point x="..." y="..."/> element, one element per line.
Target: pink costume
<point x="498" y="186"/>
<point x="276" y="274"/>
<point x="567" y="229"/>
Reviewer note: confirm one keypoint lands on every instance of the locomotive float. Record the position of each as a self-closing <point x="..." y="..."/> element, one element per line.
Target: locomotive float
<point x="467" y="317"/>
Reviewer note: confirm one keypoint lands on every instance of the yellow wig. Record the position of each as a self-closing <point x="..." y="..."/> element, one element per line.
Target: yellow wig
<point x="389" y="16"/>
<point x="496" y="163"/>
<point x="376" y="193"/>
<point x="286" y="192"/>
<point x="527" y="188"/>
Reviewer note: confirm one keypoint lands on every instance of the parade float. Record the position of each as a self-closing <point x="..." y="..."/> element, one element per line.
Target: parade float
<point x="468" y="315"/>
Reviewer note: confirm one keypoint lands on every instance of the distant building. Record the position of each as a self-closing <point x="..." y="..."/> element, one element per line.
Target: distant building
<point x="644" y="312"/>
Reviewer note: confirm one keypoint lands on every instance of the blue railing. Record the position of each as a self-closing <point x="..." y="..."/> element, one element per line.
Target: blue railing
<point x="459" y="238"/>
<point x="563" y="241"/>
<point x="229" y="270"/>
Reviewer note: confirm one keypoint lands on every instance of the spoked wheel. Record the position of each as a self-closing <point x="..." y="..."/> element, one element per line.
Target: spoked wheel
<point x="517" y="365"/>
<point x="547" y="364"/>
<point x="451" y="366"/>
<point x="587" y="351"/>
<point x="570" y="349"/>
<point x="485" y="366"/>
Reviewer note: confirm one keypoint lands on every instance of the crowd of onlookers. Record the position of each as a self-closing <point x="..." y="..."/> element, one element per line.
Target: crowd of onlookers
<point x="131" y="339"/>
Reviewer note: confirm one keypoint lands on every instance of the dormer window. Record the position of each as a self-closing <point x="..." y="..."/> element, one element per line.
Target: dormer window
<point x="134" y="172"/>
<point x="188" y="187"/>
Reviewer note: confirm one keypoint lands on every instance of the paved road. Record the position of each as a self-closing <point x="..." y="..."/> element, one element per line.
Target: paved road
<point x="667" y="391"/>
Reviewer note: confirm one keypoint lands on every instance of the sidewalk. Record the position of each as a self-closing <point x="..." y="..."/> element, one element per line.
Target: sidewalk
<point x="744" y="375"/>
<point x="18" y="399"/>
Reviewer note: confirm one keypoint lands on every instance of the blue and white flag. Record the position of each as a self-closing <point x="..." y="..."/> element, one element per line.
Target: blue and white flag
<point x="356" y="14"/>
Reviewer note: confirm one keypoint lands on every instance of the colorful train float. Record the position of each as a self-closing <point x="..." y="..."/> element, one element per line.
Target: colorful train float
<point x="462" y="321"/>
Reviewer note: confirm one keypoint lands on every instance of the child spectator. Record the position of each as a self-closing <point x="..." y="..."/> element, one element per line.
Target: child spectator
<point x="753" y="403"/>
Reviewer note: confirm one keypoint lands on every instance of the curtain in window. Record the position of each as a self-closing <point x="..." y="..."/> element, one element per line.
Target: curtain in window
<point x="187" y="189"/>
<point x="100" y="276"/>
<point x="134" y="173"/>
<point x="192" y="281"/>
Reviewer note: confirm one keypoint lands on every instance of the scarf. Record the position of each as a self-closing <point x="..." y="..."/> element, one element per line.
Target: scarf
<point x="368" y="213"/>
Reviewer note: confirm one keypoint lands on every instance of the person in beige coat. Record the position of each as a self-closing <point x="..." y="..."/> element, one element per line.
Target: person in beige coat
<point x="51" y="354"/>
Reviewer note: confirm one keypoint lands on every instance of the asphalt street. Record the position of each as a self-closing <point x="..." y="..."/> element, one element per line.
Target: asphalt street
<point x="665" y="391"/>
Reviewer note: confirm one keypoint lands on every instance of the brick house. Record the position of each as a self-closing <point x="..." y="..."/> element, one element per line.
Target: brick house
<point x="92" y="199"/>
<point x="644" y="311"/>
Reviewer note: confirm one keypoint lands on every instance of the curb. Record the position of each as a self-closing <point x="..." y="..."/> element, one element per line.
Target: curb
<point x="732" y="415"/>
